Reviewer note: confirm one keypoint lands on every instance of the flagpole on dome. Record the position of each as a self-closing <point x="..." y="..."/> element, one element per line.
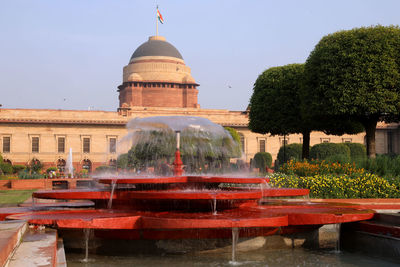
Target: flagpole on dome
<point x="157" y="22"/>
<point x="158" y="18"/>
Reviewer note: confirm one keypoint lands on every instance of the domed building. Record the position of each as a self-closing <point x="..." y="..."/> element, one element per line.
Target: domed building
<point x="156" y="82"/>
<point x="157" y="76"/>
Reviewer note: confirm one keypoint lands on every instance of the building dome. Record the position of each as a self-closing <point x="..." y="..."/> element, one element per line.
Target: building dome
<point x="157" y="76"/>
<point x="156" y="46"/>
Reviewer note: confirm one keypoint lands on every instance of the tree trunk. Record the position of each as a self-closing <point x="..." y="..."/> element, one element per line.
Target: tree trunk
<point x="305" y="153"/>
<point x="370" y="129"/>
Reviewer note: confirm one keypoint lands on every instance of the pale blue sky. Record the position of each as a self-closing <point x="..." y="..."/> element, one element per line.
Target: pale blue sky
<point x="51" y="50"/>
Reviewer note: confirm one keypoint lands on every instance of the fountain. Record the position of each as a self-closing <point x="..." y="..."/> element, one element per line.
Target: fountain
<point x="69" y="166"/>
<point x="186" y="206"/>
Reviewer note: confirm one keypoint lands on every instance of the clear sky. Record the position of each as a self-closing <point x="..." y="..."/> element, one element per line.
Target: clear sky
<point x="69" y="54"/>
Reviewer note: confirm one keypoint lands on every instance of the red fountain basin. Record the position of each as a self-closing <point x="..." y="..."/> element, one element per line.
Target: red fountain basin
<point x="234" y="193"/>
<point x="108" y="219"/>
<point x="303" y="213"/>
<point x="182" y="207"/>
<point x="171" y="199"/>
<point x="182" y="179"/>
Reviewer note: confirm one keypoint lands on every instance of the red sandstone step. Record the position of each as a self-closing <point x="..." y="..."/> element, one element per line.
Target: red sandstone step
<point x="38" y="248"/>
<point x="10" y="236"/>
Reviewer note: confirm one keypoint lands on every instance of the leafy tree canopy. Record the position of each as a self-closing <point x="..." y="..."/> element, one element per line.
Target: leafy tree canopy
<point x="275" y="103"/>
<point x="356" y="74"/>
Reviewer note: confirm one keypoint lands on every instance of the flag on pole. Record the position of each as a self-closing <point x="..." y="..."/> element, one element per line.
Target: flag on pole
<point x="160" y="18"/>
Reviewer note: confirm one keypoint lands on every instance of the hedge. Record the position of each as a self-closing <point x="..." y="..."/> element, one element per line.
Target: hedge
<point x="292" y="152"/>
<point x="331" y="152"/>
<point x="357" y="151"/>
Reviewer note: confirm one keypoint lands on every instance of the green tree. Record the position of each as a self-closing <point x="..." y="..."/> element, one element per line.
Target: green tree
<point x="355" y="74"/>
<point x="275" y="104"/>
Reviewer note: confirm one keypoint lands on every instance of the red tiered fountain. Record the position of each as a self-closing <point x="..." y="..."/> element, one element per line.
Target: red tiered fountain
<point x="189" y="207"/>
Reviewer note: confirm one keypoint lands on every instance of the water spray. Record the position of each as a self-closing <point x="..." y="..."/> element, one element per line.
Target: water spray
<point x="178" y="171"/>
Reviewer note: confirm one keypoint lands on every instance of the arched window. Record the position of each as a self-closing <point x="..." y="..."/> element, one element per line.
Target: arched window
<point x="35" y="165"/>
<point x="61" y="165"/>
<point x="87" y="165"/>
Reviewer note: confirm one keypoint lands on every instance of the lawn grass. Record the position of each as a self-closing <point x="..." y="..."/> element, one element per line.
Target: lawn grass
<point x="14" y="197"/>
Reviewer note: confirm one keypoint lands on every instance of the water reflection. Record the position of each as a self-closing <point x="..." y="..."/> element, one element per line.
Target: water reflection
<point x="260" y="257"/>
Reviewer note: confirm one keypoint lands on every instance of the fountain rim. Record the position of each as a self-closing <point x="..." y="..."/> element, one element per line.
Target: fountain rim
<point x="182" y="179"/>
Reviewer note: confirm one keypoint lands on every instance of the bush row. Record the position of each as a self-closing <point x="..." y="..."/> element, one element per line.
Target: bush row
<point x="364" y="185"/>
<point x="332" y="152"/>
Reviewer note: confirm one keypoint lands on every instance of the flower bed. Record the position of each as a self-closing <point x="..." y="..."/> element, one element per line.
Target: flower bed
<point x="360" y="185"/>
<point x="306" y="168"/>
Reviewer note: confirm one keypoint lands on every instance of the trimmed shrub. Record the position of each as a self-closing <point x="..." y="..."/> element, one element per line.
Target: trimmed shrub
<point x="26" y="175"/>
<point x="357" y="151"/>
<point x="6" y="168"/>
<point x="17" y="168"/>
<point x="330" y="151"/>
<point x="292" y="152"/>
<point x="262" y="160"/>
<point x="105" y="168"/>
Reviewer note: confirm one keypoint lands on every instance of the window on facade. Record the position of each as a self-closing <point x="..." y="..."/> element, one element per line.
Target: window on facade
<point x="35" y="144"/>
<point x="325" y="140"/>
<point x="346" y="140"/>
<point x="61" y="145"/>
<point x="262" y="145"/>
<point x="86" y="145"/>
<point x="6" y="144"/>
<point x="113" y="145"/>
<point x="242" y="141"/>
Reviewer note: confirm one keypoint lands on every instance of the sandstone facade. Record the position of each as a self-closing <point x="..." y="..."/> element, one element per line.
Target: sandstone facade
<point x="156" y="82"/>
